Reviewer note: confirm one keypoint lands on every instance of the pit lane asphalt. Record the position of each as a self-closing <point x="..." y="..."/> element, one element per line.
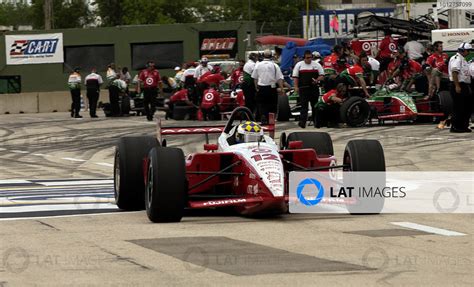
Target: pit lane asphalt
<point x="109" y="249"/>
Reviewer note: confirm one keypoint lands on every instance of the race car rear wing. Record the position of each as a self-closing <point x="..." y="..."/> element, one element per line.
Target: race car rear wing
<point x="217" y="129"/>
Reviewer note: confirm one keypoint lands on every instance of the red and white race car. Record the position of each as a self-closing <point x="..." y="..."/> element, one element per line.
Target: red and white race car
<point x="251" y="177"/>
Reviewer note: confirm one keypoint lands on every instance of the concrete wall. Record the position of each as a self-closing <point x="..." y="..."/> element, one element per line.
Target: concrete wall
<point x="51" y="77"/>
<point x="42" y="102"/>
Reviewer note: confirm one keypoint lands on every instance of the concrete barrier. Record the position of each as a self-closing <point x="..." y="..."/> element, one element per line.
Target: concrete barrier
<point x="49" y="102"/>
<point x="19" y="103"/>
<point x="42" y="102"/>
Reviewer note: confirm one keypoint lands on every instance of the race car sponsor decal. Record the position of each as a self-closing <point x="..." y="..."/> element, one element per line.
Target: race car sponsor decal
<point x="34" y="49"/>
<point x="226" y="201"/>
<point x="212" y="44"/>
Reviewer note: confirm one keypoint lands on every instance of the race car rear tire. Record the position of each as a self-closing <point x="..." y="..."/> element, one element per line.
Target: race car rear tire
<point x="166" y="185"/>
<point x="445" y="102"/>
<point x="284" y="110"/>
<point x="355" y="111"/>
<point x="365" y="156"/>
<point x="129" y="186"/>
<point x="319" y="141"/>
<point x="181" y="113"/>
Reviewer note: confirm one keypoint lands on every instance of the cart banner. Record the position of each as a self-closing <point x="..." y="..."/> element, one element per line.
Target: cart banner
<point x="34" y="49"/>
<point x="381" y="192"/>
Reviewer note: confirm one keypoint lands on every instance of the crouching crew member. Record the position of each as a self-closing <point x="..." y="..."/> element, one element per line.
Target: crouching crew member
<point x="327" y="108"/>
<point x="306" y="75"/>
<point x="354" y="75"/>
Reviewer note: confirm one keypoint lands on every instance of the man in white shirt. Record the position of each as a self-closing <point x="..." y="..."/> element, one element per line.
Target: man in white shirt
<point x="248" y="87"/>
<point x="414" y="50"/>
<point x="460" y="78"/>
<point x="203" y="68"/>
<point x="306" y="76"/>
<point x="266" y="76"/>
<point x="93" y="82"/>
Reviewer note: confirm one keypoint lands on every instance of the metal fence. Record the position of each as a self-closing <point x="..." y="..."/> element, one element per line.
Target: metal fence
<point x="292" y="28"/>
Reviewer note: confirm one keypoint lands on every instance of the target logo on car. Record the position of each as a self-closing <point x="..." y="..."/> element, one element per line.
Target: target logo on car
<point x="366" y="46"/>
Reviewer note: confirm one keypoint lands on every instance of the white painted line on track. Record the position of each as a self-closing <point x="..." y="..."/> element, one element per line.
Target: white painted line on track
<point x="428" y="229"/>
<point x="77" y="182"/>
<point x="73" y="159"/>
<point x="13" y="181"/>
<point x="40" y="154"/>
<point x="19" y="151"/>
<point x="434" y="139"/>
<point x="1" y="148"/>
<point x="105" y="164"/>
<point x="72" y="215"/>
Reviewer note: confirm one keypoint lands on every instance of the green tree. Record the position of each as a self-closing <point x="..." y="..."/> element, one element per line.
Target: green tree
<point x="66" y="14"/>
<point x="15" y="14"/>
<point x="129" y="12"/>
<point x="110" y="12"/>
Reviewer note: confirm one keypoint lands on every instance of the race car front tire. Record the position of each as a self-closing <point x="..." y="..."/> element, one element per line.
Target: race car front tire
<point x="129" y="186"/>
<point x="319" y="141"/>
<point x="355" y="111"/>
<point x="166" y="185"/>
<point x="365" y="156"/>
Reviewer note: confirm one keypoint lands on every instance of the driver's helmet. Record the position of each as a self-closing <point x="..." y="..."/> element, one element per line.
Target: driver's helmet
<point x="249" y="132"/>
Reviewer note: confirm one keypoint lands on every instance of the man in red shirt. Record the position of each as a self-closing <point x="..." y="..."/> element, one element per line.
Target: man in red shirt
<point x="405" y="70"/>
<point x="237" y="76"/>
<point x="387" y="46"/>
<point x="333" y="65"/>
<point x="180" y="98"/>
<point x="150" y="78"/>
<point x="327" y="109"/>
<point x="354" y="75"/>
<point x="438" y="61"/>
<point x="210" y="103"/>
<point x="211" y="79"/>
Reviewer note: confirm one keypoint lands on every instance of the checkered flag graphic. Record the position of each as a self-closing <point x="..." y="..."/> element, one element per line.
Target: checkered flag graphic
<point x="18" y="47"/>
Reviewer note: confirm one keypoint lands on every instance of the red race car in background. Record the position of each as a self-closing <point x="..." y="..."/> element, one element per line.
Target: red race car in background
<point x="249" y="176"/>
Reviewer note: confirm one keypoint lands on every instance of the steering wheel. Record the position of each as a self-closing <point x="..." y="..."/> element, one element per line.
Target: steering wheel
<point x="238" y="113"/>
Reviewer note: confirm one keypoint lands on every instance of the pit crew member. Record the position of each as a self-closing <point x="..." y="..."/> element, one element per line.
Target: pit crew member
<point x="327" y="108"/>
<point x="460" y="79"/>
<point x="306" y="75"/>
